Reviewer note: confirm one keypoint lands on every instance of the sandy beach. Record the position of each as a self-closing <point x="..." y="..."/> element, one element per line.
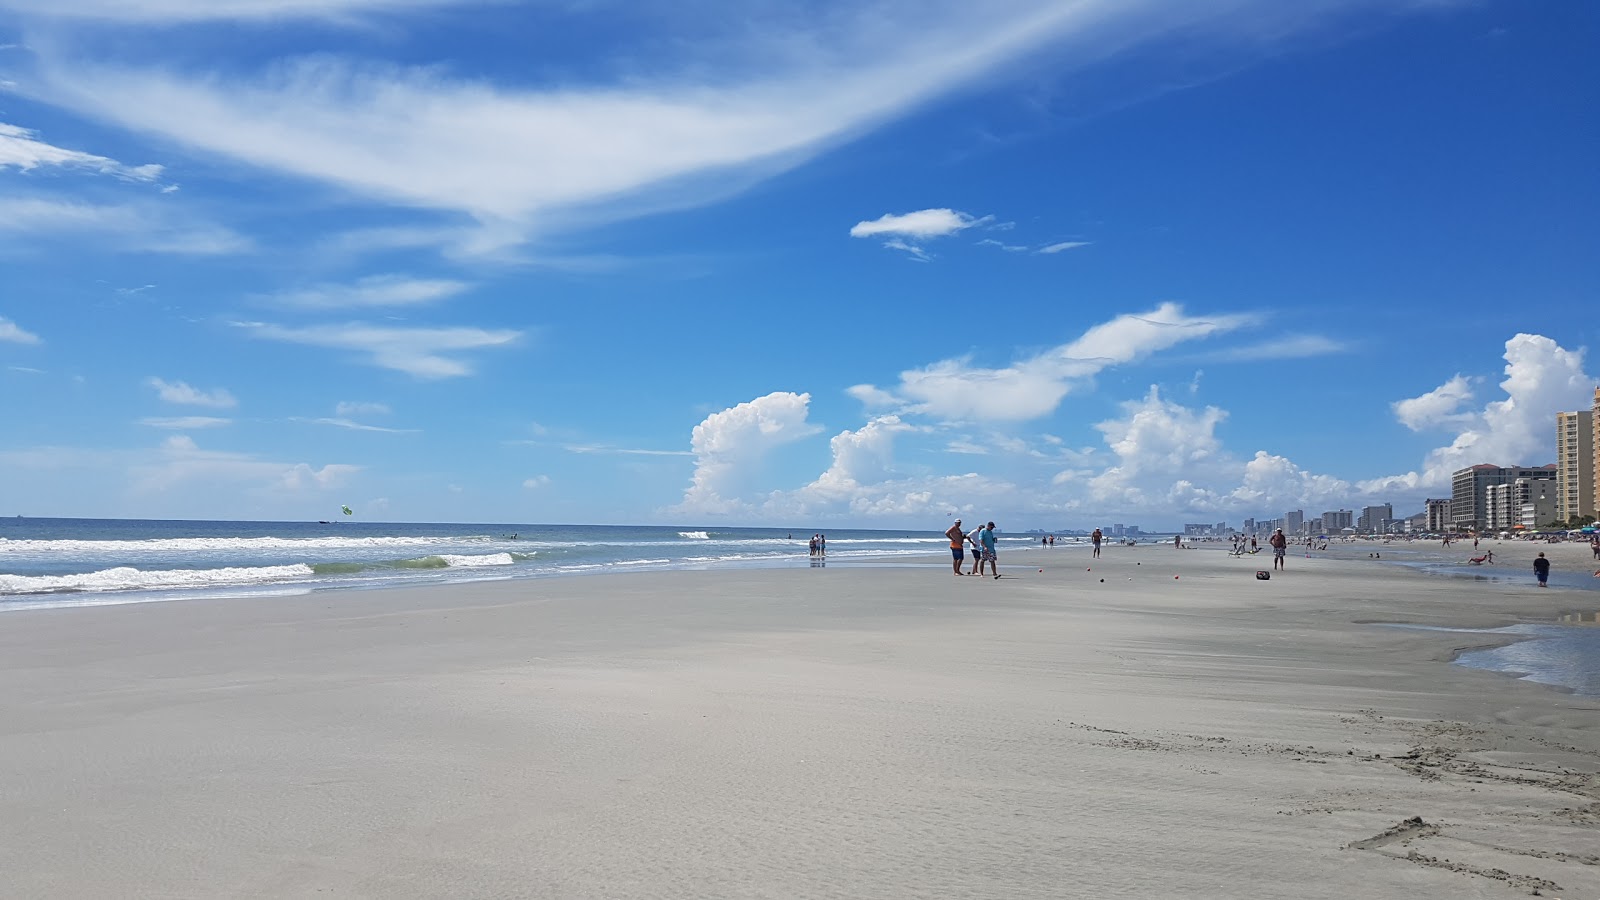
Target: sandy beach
<point x="869" y="731"/>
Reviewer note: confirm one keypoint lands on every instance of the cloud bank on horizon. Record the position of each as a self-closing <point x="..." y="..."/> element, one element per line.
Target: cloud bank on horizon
<point x="660" y="233"/>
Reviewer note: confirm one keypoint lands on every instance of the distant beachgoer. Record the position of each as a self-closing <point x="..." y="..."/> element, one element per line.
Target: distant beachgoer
<point x="1254" y="547"/>
<point x="813" y="545"/>
<point x="956" y="537"/>
<point x="1596" y="552"/>
<point x="989" y="555"/>
<point x="975" y="537"/>
<point x="822" y="545"/>
<point x="1096" y="538"/>
<point x="1280" y="546"/>
<point x="1541" y="570"/>
<point x="1177" y="541"/>
<point x="1474" y="542"/>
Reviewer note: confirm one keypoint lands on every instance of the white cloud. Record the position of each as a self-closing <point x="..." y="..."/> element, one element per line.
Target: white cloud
<point x="375" y="290"/>
<point x="162" y="11"/>
<point x="348" y="408"/>
<point x="907" y="232"/>
<point x="730" y="445"/>
<point x="185" y="423"/>
<point x="12" y="332"/>
<point x="181" y="392"/>
<point x="1155" y="441"/>
<point x="356" y="426"/>
<point x="1063" y="246"/>
<point x="537" y="481"/>
<point x="181" y="462"/>
<point x="919" y="226"/>
<point x="420" y="352"/>
<point x="1288" y="346"/>
<point x="21" y="148"/>
<point x="1440" y="406"/>
<point x="127" y="227"/>
<point x="955" y="389"/>
<point x="527" y="157"/>
<point x="1542" y="379"/>
<point x="603" y="449"/>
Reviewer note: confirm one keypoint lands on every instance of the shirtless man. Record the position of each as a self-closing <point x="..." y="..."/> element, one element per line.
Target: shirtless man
<point x="957" y="538"/>
<point x="1096" y="538"/>
<point x="1280" y="545"/>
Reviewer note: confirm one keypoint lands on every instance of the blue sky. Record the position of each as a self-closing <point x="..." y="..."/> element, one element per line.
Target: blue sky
<point x="1060" y="264"/>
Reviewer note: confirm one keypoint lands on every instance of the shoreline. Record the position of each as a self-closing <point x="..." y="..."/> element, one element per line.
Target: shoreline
<point x="869" y="729"/>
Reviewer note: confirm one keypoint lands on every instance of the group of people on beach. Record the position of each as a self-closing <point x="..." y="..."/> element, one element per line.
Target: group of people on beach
<point x="819" y="545"/>
<point x="982" y="541"/>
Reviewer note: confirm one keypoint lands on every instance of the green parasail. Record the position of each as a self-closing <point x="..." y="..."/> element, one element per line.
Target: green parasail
<point x="347" y="510"/>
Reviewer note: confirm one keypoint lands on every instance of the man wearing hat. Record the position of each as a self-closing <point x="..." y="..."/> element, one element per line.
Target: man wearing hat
<point x="957" y="537"/>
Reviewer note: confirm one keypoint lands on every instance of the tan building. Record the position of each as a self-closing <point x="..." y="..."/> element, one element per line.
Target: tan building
<point x="1575" y="465"/>
<point x="1595" y="442"/>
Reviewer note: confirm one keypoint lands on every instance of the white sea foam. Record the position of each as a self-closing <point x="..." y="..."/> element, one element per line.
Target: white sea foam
<point x="125" y="578"/>
<point x="695" y="535"/>
<point x="472" y="562"/>
<point x="226" y="543"/>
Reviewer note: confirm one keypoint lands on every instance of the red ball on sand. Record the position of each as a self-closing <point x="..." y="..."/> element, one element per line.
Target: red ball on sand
<point x="1174" y="578"/>
<point x="1041" y="571"/>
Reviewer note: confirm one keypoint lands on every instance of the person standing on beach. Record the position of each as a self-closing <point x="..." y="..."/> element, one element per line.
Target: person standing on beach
<point x="1280" y="545"/>
<point x="1541" y="570"/>
<point x="956" y="538"/>
<point x="989" y="556"/>
<point x="975" y="538"/>
<point x="822" y="545"/>
<point x="1096" y="538"/>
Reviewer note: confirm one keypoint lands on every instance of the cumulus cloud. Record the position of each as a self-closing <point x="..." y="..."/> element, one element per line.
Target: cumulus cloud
<point x="12" y="332"/>
<point x="372" y="291"/>
<point x="1154" y="440"/>
<point x="1440" y="406"/>
<point x="537" y="481"/>
<point x="181" y="392"/>
<point x="956" y="389"/>
<point x="730" y="445"/>
<point x="21" y="148"/>
<point x="1542" y="378"/>
<point x="419" y="352"/>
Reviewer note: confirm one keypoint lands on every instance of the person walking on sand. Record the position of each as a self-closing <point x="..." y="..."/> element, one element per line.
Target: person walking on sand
<point x="987" y="537"/>
<point x="957" y="538"/>
<point x="1280" y="545"/>
<point x="1541" y="570"/>
<point x="1096" y="538"/>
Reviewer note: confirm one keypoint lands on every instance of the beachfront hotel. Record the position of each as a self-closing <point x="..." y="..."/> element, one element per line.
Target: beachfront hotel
<point x="1575" y="464"/>
<point x="1469" y="495"/>
<point x="1594" y="445"/>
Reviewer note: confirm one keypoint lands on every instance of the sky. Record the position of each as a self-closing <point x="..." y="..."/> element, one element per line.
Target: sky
<point x="1056" y="263"/>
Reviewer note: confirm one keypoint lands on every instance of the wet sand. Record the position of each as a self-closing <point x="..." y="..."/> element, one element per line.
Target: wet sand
<point x="883" y="731"/>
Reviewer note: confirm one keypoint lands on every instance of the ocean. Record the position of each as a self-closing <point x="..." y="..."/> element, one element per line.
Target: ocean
<point x="80" y="562"/>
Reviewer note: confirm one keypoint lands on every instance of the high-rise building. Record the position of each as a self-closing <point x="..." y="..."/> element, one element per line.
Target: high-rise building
<point x="1314" y="527"/>
<point x="1469" y="488"/>
<point x="1337" y="520"/>
<point x="1249" y="526"/>
<point x="1594" y="416"/>
<point x="1538" y="499"/>
<point x="1438" y="513"/>
<point x="1575" y="466"/>
<point x="1294" y="521"/>
<point x="1375" y="519"/>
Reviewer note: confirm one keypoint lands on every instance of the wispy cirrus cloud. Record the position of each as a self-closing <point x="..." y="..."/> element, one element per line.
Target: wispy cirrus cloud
<point x="14" y="333"/>
<point x="21" y="148"/>
<point x="371" y="291"/>
<point x="173" y="11"/>
<point x="182" y="393"/>
<point x="908" y="232"/>
<point x="1062" y="247"/>
<point x="184" y="423"/>
<point x="425" y="353"/>
<point x="130" y="227"/>
<point x="1288" y="346"/>
<point x="355" y="426"/>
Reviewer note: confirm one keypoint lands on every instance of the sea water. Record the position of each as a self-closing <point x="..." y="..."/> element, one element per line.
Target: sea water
<point x="67" y="562"/>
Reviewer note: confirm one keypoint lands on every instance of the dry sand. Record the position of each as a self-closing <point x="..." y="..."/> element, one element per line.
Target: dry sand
<point x="843" y="732"/>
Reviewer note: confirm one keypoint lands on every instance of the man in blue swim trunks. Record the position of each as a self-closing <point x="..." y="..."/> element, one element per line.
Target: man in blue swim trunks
<point x="956" y="536"/>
